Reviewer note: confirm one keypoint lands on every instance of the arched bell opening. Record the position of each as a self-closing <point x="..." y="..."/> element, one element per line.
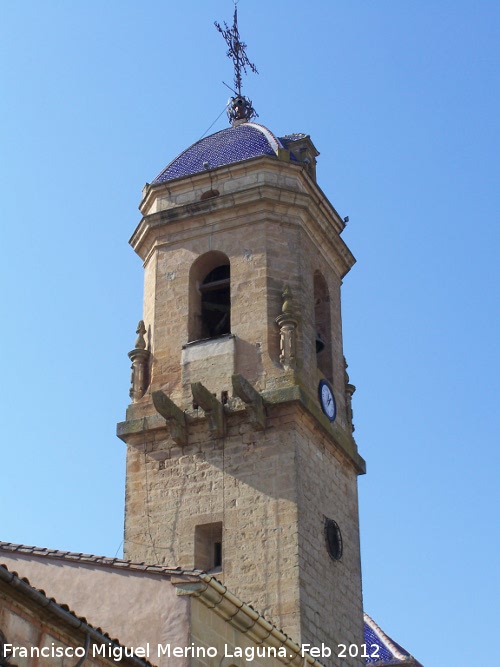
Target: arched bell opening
<point x="210" y="297"/>
<point x="323" y="326"/>
<point x="216" y="302"/>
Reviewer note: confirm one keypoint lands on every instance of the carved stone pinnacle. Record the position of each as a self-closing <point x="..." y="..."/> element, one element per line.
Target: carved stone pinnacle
<point x="140" y="343"/>
<point x="287" y="324"/>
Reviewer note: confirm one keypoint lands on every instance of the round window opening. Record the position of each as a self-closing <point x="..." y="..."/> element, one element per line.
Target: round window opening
<point x="333" y="539"/>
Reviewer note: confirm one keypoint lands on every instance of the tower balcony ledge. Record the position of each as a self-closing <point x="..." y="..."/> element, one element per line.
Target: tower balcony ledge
<point x="133" y="431"/>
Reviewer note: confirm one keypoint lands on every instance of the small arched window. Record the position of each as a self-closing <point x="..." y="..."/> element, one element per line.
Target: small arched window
<point x="323" y="326"/>
<point x="210" y="297"/>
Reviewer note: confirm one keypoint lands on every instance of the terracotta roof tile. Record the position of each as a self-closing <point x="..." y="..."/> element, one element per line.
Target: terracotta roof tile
<point x="119" y="563"/>
<point x="390" y="653"/>
<point x="12" y="578"/>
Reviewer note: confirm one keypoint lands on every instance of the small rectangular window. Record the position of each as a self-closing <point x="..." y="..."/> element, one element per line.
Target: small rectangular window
<point x="217" y="554"/>
<point x="208" y="547"/>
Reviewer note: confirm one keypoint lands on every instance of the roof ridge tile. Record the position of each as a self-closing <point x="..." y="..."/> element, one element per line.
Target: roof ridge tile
<point x="72" y="556"/>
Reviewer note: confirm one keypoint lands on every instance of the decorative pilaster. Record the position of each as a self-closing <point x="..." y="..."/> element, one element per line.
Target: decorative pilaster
<point x="140" y="362"/>
<point x="349" y="391"/>
<point x="287" y="324"/>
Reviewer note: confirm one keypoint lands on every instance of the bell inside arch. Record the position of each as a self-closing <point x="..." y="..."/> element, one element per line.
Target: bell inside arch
<point x="320" y="344"/>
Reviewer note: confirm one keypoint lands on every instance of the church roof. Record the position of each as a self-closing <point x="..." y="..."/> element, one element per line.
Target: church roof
<point x="386" y="654"/>
<point x="39" y="599"/>
<point x="387" y="651"/>
<point x="90" y="559"/>
<point x="234" y="144"/>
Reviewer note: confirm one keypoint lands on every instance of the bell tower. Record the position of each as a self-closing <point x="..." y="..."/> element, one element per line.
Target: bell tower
<point x="240" y="454"/>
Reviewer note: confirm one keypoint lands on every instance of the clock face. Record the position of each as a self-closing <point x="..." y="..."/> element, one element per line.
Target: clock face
<point x="327" y="400"/>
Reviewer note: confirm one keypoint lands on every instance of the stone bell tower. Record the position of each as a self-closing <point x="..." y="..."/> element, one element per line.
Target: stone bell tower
<point x="240" y="455"/>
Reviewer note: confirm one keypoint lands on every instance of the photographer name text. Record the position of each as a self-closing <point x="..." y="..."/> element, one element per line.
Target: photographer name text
<point x="248" y="653"/>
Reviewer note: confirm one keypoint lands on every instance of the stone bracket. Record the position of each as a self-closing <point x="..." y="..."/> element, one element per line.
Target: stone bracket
<point x="189" y="588"/>
<point x="214" y="410"/>
<point x="254" y="404"/>
<point x="173" y="415"/>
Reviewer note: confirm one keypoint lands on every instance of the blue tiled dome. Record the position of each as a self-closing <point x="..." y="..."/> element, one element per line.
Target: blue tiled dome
<point x="237" y="143"/>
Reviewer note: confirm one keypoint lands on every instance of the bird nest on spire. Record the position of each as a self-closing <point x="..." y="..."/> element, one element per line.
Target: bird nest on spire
<point x="240" y="108"/>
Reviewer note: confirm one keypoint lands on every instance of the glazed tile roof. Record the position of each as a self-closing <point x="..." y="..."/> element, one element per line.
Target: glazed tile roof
<point x="289" y="138"/>
<point x="388" y="652"/>
<point x="234" y="144"/>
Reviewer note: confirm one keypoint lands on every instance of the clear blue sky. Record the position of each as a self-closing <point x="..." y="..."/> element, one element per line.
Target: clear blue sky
<point x="401" y="99"/>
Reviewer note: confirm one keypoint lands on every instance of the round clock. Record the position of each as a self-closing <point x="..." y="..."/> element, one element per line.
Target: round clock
<point x="327" y="400"/>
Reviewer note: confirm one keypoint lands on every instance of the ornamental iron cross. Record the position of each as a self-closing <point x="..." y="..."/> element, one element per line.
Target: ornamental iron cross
<point x="236" y="50"/>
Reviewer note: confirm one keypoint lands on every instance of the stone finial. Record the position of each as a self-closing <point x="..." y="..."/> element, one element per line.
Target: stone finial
<point x="140" y="343"/>
<point x="349" y="391"/>
<point x="139" y="356"/>
<point x="287" y="308"/>
<point x="288" y="325"/>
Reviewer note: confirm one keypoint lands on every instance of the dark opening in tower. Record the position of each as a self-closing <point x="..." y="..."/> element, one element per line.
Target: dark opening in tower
<point x="323" y="326"/>
<point x="209" y="297"/>
<point x="216" y="302"/>
<point x="208" y="547"/>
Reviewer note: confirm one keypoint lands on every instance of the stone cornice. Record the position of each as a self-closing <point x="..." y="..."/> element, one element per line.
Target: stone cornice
<point x="132" y="430"/>
<point x="232" y="172"/>
<point x="262" y="202"/>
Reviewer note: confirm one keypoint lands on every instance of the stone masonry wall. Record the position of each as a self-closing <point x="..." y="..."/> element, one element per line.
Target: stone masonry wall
<point x="25" y="629"/>
<point x="271" y="490"/>
<point x="292" y="258"/>
<point x="268" y="223"/>
<point x="247" y="481"/>
<point x="331" y="596"/>
<point x="226" y="640"/>
<point x="264" y="258"/>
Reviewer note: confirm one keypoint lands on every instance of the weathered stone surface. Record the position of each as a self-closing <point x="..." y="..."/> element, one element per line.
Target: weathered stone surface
<point x="269" y="476"/>
<point x="214" y="410"/>
<point x="175" y="418"/>
<point x="254" y="403"/>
